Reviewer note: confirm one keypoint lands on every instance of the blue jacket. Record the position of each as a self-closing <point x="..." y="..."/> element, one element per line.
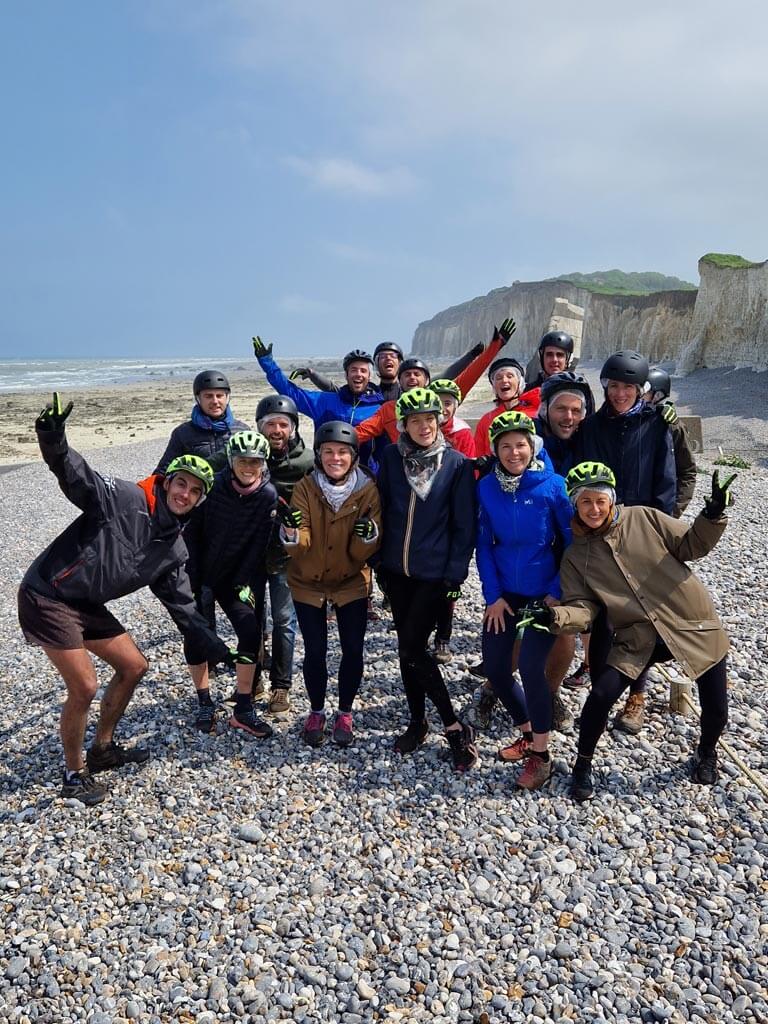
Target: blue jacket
<point x="639" y="450"/>
<point x="520" y="536"/>
<point x="432" y="539"/>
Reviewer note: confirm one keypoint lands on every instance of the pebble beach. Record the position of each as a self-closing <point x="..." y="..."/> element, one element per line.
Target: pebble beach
<point x="231" y="879"/>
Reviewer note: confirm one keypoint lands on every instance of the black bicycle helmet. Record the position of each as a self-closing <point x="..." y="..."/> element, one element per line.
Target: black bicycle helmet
<point x="556" y="339"/>
<point x="414" y="363"/>
<point x="277" y="405"/>
<point x="356" y="356"/>
<point x="499" y="364"/>
<point x="567" y="380"/>
<point x="210" y="380"/>
<point x="338" y="432"/>
<point x="659" y="381"/>
<point x="627" y="367"/>
<point x="388" y="346"/>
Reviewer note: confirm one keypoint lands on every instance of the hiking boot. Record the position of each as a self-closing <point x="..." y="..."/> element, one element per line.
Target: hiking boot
<point x="443" y="652"/>
<point x="705" y="767"/>
<point x="562" y="719"/>
<point x="536" y="772"/>
<point x="477" y="670"/>
<point x="102" y="759"/>
<point x="83" y="787"/>
<point x="248" y="722"/>
<point x="632" y="717"/>
<point x="582" y="786"/>
<point x="516" y="751"/>
<point x="463" y="749"/>
<point x="342" y="729"/>
<point x="206" y="718"/>
<point x="480" y="710"/>
<point x="412" y="738"/>
<point x="258" y="687"/>
<point x="313" y="733"/>
<point x="579" y="680"/>
<point x="279" y="701"/>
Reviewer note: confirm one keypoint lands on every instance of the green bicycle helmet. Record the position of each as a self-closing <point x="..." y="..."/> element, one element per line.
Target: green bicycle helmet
<point x="508" y="421"/>
<point x="195" y="466"/>
<point x="247" y="444"/>
<point x="588" y="474"/>
<point x="418" y="400"/>
<point x="444" y="386"/>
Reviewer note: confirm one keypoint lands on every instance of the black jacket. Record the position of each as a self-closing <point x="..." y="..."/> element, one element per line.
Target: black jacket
<point x="125" y="539"/>
<point x="638" y="448"/>
<point x="189" y="439"/>
<point x="227" y="536"/>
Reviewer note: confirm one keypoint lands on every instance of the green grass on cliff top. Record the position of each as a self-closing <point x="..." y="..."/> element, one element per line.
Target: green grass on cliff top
<point x="724" y="259"/>
<point x="619" y="282"/>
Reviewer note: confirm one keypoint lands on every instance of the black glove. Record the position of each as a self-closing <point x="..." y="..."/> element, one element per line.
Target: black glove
<point x="234" y="657"/>
<point x="260" y="349"/>
<point x="721" y="496"/>
<point x="53" y="416"/>
<point x="505" y="332"/>
<point x="245" y="594"/>
<point x="483" y="464"/>
<point x="538" y="615"/>
<point x="288" y="517"/>
<point x="365" y="528"/>
<point x="300" y="373"/>
<point x="668" y="412"/>
<point x="452" y="590"/>
<point x="477" y="350"/>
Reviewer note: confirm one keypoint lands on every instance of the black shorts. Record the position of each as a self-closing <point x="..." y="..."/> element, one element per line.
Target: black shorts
<point x="49" y="623"/>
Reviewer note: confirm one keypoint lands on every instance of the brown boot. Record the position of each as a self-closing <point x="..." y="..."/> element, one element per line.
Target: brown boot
<point x="535" y="773"/>
<point x="632" y="718"/>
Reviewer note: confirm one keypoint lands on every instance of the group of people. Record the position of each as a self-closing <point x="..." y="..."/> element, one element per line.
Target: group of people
<point x="571" y="511"/>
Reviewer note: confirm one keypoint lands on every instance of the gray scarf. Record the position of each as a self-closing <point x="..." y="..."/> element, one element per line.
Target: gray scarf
<point x="421" y="464"/>
<point x="336" y="493"/>
<point x="510" y="483"/>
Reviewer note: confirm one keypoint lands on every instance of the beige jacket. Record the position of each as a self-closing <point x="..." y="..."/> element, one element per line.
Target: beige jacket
<point x="328" y="559"/>
<point x="637" y="572"/>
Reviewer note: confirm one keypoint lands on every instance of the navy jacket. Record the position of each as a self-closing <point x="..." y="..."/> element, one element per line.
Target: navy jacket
<point x="562" y="453"/>
<point x="638" y="448"/>
<point x="432" y="539"/>
<point x="521" y="535"/>
<point x="189" y="439"/>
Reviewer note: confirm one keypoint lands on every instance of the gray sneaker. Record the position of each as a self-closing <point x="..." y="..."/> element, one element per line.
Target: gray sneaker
<point x="83" y="787"/>
<point x="562" y="719"/>
<point x="480" y="710"/>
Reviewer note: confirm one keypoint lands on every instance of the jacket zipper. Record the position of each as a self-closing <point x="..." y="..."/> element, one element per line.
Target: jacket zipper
<point x="59" y="577"/>
<point x="408" y="531"/>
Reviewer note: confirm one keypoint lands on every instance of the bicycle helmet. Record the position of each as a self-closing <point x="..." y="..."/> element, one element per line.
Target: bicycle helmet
<point x="413" y="363"/>
<point x="210" y="380"/>
<point x="337" y="432"/>
<point x="356" y="356"/>
<point x="556" y="339"/>
<point x="565" y="381"/>
<point x="589" y="474"/>
<point x="500" y="364"/>
<point x="627" y="367"/>
<point x="247" y="444"/>
<point x="277" y="405"/>
<point x="195" y="466"/>
<point x="659" y="380"/>
<point x="418" y="400"/>
<point x="388" y="346"/>
<point x="444" y="386"/>
<point x="508" y="421"/>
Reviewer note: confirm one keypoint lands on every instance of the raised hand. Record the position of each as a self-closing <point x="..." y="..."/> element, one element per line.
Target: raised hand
<point x="720" y="498"/>
<point x="53" y="417"/>
<point x="260" y="349"/>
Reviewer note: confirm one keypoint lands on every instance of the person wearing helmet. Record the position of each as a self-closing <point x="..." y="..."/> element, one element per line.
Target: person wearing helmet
<point x="387" y="357"/>
<point x="566" y="401"/>
<point x="354" y="402"/>
<point x="524" y="521"/>
<point x="210" y="425"/>
<point x="657" y="396"/>
<point x="630" y="564"/>
<point x="553" y="355"/>
<point x="330" y="530"/>
<point x="128" y="536"/>
<point x="227" y="539"/>
<point x="428" y="504"/>
<point x="507" y="379"/>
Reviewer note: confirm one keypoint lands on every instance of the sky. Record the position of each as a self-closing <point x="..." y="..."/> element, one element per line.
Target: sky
<point x="178" y="175"/>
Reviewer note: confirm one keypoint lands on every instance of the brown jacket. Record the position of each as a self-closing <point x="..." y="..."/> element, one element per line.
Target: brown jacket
<point x="328" y="559"/>
<point x="637" y="572"/>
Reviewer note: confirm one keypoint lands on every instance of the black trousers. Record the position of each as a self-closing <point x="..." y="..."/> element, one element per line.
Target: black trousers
<point x="246" y="621"/>
<point x="415" y="608"/>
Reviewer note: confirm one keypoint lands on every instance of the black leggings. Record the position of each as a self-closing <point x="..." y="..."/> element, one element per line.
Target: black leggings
<point x="609" y="684"/>
<point x="415" y="608"/>
<point x="352" y="620"/>
<point x="246" y="621"/>
<point x="444" y="621"/>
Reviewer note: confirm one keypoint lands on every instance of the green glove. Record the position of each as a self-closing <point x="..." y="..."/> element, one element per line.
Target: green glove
<point x="668" y="413"/>
<point x="721" y="496"/>
<point x="364" y="528"/>
<point x="505" y="332"/>
<point x="537" y="615"/>
<point x="300" y="373"/>
<point x="53" y="416"/>
<point x="236" y="657"/>
<point x="246" y="595"/>
<point x="260" y="349"/>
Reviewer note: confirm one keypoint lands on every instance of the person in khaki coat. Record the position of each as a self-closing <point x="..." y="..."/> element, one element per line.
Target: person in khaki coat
<point x="330" y="530"/>
<point x="629" y="565"/>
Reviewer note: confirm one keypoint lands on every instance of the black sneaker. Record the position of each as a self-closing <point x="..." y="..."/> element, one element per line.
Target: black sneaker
<point x="463" y="749"/>
<point x="83" y="787"/>
<point x="582" y="787"/>
<point x="102" y="759"/>
<point x="412" y="738"/>
<point x="248" y="722"/>
<point x="206" y="718"/>
<point x="705" y="767"/>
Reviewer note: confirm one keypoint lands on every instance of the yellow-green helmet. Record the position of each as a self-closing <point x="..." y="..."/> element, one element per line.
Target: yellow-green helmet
<point x="195" y="466"/>
<point x="418" y="400"/>
<point x="247" y="444"/>
<point x="589" y="474"/>
<point x="508" y="421"/>
<point x="444" y="386"/>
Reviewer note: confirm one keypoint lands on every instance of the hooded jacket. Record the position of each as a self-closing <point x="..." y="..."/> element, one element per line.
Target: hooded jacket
<point x="528" y="403"/>
<point x="126" y="538"/>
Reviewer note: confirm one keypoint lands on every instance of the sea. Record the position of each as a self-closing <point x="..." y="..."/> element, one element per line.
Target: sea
<point x="66" y="374"/>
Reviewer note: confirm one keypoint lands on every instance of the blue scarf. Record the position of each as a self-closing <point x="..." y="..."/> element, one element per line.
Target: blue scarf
<point x="636" y="409"/>
<point x="223" y="425"/>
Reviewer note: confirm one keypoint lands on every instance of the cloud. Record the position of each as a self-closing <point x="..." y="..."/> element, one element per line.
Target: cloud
<point x="302" y="305"/>
<point x="347" y="176"/>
